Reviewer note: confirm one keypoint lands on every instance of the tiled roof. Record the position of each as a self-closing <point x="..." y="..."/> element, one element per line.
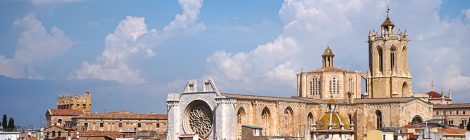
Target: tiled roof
<point x="387" y="22"/>
<point x="123" y="115"/>
<point x="330" y="69"/>
<point x="317" y="101"/>
<point x="64" y="112"/>
<point x="384" y="100"/>
<point x="269" y="98"/>
<point x="456" y="105"/>
<point x="453" y="131"/>
<point x="434" y="94"/>
<point x="109" y="134"/>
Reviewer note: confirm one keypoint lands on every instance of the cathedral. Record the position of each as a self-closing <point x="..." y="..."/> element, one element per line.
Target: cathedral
<point x="330" y="103"/>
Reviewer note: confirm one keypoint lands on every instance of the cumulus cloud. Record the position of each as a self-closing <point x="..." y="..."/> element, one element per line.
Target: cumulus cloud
<point x="343" y="25"/>
<point x="34" y="46"/>
<point x="249" y="68"/>
<point x="132" y="40"/>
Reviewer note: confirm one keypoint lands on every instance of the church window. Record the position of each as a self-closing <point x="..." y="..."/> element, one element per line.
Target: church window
<point x="379" y="119"/>
<point x="311" y="87"/>
<point x="380" y="59"/>
<point x="392" y="58"/>
<point x="317" y="86"/>
<point x="334" y="85"/>
<point x="331" y="87"/>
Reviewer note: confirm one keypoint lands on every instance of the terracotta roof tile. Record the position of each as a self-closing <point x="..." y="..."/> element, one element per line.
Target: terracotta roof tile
<point x="385" y="100"/>
<point x="123" y="115"/>
<point x="434" y="94"/>
<point x="269" y="98"/>
<point x="456" y="105"/>
<point x="453" y="131"/>
<point x="110" y="134"/>
<point x="64" y="112"/>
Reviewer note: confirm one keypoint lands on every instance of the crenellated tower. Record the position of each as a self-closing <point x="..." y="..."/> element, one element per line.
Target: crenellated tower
<point x="388" y="74"/>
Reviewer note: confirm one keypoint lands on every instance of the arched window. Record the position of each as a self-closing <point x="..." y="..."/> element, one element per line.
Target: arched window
<point x="317" y="86"/>
<point x="380" y="51"/>
<point x="331" y="88"/>
<point x="266" y="121"/>
<point x="416" y="120"/>
<point x="404" y="89"/>
<point x="378" y="114"/>
<point x="288" y="121"/>
<point x="392" y="57"/>
<point x="309" y="121"/>
<point x="311" y="86"/>
<point x="241" y="120"/>
<point x="334" y="85"/>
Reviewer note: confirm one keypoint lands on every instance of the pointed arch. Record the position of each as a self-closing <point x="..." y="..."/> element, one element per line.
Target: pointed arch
<point x="288" y="121"/>
<point x="416" y="120"/>
<point x="380" y="55"/>
<point x="404" y="89"/>
<point x="392" y="57"/>
<point x="266" y="121"/>
<point x="378" y="115"/>
<point x="241" y="120"/>
<point x="310" y="122"/>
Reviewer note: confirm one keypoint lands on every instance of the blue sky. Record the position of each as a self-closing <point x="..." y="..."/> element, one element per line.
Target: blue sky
<point x="130" y="55"/>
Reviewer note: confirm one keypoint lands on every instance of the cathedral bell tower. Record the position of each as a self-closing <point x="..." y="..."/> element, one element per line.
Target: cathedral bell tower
<point x="327" y="58"/>
<point x="388" y="74"/>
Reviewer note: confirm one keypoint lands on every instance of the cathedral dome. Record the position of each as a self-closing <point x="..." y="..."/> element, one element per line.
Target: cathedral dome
<point x="328" y="52"/>
<point x="332" y="118"/>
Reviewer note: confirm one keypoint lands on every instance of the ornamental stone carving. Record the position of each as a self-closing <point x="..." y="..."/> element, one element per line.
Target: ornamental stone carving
<point x="198" y="118"/>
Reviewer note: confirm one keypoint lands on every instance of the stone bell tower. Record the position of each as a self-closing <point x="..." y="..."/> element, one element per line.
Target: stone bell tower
<point x="388" y="74"/>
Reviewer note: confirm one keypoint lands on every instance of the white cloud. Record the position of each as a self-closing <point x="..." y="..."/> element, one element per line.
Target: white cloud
<point x="249" y="68"/>
<point x="132" y="40"/>
<point x="35" y="45"/>
<point x="112" y="64"/>
<point x="343" y="25"/>
<point x="466" y="14"/>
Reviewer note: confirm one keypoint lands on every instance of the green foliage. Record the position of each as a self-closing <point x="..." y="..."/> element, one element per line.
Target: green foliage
<point x="4" y="121"/>
<point x="11" y="124"/>
<point x="468" y="124"/>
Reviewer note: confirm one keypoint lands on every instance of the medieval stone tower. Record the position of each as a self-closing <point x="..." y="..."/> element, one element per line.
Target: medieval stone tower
<point x="388" y="74"/>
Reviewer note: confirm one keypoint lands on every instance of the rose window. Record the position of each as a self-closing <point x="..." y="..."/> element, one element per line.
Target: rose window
<point x="198" y="118"/>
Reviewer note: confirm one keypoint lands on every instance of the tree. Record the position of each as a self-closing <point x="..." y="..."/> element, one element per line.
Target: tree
<point x="11" y="124"/>
<point x="468" y="124"/>
<point x="4" y="121"/>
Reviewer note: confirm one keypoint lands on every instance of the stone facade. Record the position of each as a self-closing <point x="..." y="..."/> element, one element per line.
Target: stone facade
<point x="121" y="122"/>
<point x="76" y="102"/>
<point x="388" y="104"/>
<point x="453" y="114"/>
<point x="329" y="82"/>
<point x="388" y="74"/>
<point x="61" y="117"/>
<point x="292" y="117"/>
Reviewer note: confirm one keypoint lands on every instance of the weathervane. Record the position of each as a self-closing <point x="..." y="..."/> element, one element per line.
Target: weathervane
<point x="388" y="10"/>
